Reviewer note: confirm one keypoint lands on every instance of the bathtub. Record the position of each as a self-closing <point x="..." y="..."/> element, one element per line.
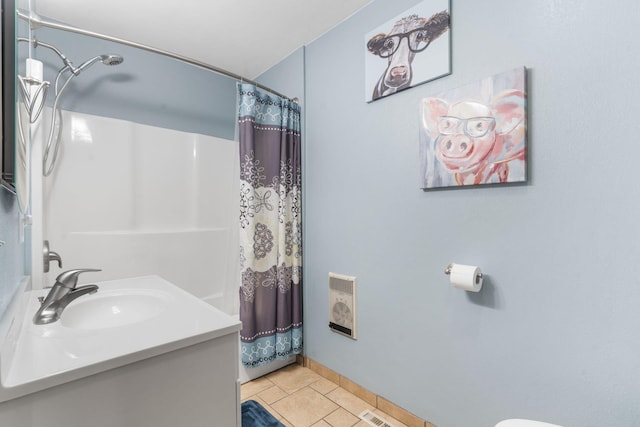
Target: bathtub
<point x="177" y="366"/>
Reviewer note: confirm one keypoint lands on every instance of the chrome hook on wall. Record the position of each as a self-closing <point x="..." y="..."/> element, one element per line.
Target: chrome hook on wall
<point x="447" y="270"/>
<point x="33" y="100"/>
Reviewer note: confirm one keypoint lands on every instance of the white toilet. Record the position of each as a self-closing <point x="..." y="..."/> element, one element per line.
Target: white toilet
<point x="524" y="423"/>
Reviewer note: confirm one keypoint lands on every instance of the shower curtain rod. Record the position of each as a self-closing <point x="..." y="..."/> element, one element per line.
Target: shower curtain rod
<point x="36" y="21"/>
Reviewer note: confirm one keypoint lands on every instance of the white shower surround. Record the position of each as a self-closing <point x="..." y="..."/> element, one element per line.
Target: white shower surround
<point x="135" y="200"/>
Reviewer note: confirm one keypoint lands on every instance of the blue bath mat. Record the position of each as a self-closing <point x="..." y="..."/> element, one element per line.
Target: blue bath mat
<point x="254" y="415"/>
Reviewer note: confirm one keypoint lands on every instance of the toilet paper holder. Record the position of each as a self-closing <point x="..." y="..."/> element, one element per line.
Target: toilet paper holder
<point x="447" y="271"/>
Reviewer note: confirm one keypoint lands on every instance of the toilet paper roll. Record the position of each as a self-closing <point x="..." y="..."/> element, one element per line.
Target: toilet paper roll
<point x="466" y="277"/>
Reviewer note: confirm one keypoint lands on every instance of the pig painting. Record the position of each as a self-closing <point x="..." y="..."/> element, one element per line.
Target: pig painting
<point x="475" y="134"/>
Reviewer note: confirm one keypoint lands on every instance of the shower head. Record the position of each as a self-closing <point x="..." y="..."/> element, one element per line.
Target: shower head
<point x="111" y="59"/>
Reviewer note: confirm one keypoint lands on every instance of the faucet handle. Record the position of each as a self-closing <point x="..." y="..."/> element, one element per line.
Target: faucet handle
<point x="69" y="279"/>
<point x="49" y="255"/>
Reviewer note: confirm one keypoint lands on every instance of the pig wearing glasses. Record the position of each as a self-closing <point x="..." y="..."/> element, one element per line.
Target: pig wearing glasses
<point x="474" y="141"/>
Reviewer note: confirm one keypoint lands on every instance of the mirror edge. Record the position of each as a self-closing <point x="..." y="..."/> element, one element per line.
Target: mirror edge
<point x="7" y="116"/>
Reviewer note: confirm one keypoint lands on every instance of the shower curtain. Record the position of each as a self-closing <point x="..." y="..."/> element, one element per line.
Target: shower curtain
<point x="270" y="226"/>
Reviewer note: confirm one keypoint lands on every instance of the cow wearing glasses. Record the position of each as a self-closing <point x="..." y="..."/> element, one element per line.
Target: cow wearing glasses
<point x="474" y="141"/>
<point x="409" y="35"/>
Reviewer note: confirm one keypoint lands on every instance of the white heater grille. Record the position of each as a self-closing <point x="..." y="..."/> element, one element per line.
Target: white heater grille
<point x="342" y="304"/>
<point x="374" y="420"/>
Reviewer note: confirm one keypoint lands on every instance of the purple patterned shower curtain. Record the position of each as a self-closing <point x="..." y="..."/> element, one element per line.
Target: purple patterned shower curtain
<point x="270" y="226"/>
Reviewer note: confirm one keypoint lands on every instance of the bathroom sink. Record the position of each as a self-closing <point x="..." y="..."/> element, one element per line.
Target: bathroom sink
<point x="109" y="309"/>
<point x="126" y="321"/>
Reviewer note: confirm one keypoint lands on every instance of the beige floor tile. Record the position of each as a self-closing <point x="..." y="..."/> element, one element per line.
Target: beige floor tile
<point x="348" y="401"/>
<point x="272" y="394"/>
<point x="254" y="387"/>
<point x="323" y="386"/>
<point x="341" y="418"/>
<point x="304" y="407"/>
<point x="299" y="397"/>
<point x="266" y="406"/>
<point x="286" y="423"/>
<point x="293" y="378"/>
<point x="273" y="412"/>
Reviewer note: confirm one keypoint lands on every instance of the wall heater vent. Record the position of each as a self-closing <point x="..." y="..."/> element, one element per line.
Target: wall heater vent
<point x="374" y="419"/>
<point x="342" y="304"/>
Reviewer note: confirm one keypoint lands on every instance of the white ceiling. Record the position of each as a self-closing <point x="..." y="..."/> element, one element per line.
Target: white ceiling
<point x="245" y="37"/>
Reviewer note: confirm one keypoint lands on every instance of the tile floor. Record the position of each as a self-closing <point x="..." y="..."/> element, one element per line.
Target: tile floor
<point x="299" y="397"/>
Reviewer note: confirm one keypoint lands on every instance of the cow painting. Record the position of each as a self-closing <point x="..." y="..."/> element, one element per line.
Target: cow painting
<point x="409" y="36"/>
<point x="477" y="136"/>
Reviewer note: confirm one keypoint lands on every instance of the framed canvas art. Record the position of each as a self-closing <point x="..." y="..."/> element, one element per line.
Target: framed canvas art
<point x="410" y="49"/>
<point x="475" y="134"/>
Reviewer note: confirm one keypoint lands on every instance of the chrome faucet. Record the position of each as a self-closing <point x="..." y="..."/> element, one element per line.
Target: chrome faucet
<point x="62" y="293"/>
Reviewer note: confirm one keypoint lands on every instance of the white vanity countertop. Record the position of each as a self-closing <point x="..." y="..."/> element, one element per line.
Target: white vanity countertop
<point x="53" y="354"/>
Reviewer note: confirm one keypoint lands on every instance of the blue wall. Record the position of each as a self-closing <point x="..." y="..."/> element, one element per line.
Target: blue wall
<point x="554" y="333"/>
<point x="146" y="88"/>
<point x="287" y="77"/>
